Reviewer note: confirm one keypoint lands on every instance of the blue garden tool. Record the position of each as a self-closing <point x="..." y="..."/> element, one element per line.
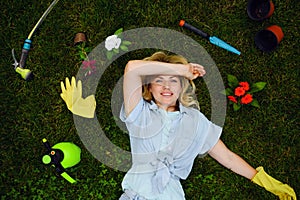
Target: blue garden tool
<point x="213" y="39"/>
<point x="20" y="66"/>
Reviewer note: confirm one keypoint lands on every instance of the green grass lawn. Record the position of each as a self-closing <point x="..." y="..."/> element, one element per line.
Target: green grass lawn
<point x="30" y="111"/>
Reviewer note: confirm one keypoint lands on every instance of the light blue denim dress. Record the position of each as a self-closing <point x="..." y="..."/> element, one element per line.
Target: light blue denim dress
<point x="164" y="146"/>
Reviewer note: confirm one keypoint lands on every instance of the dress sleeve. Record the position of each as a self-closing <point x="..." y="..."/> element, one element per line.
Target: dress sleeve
<point x="140" y="123"/>
<point x="134" y="113"/>
<point x="210" y="133"/>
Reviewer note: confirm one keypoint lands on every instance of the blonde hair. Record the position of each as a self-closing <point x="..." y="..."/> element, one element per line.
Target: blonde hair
<point x="187" y="96"/>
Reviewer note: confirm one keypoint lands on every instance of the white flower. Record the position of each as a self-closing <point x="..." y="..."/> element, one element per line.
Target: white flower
<point x="112" y="42"/>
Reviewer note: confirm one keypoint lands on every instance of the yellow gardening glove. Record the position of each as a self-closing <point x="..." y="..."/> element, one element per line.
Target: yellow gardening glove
<point x="75" y="103"/>
<point x="283" y="191"/>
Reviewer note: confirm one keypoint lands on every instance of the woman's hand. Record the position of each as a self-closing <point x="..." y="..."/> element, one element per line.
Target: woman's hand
<point x="283" y="191"/>
<point x="196" y="71"/>
<point x="71" y="93"/>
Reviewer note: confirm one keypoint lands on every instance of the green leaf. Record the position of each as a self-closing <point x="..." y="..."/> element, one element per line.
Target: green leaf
<point x="236" y="107"/>
<point x="255" y="103"/>
<point x="257" y="86"/>
<point x="229" y="91"/>
<point x="119" y="31"/>
<point x="116" y="50"/>
<point x="87" y="49"/>
<point x="124" y="48"/>
<point x="82" y="55"/>
<point x="232" y="81"/>
<point x="125" y="42"/>
<point x="79" y="47"/>
<point x="109" y="55"/>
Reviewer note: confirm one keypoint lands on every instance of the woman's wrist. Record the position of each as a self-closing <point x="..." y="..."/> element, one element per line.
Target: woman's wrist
<point x="145" y="68"/>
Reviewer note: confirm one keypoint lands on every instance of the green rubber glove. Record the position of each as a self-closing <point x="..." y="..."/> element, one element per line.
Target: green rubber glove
<point x="72" y="95"/>
<point x="283" y="191"/>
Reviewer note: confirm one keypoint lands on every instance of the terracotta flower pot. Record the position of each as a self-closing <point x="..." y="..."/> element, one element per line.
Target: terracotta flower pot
<point x="268" y="39"/>
<point x="79" y="38"/>
<point x="259" y="10"/>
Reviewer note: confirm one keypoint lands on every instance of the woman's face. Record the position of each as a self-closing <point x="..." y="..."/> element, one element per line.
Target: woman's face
<point x="166" y="90"/>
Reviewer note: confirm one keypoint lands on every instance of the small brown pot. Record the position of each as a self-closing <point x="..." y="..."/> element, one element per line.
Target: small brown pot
<point x="79" y="38"/>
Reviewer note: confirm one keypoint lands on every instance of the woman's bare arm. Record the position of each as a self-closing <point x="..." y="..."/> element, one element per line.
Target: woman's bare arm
<point x="231" y="160"/>
<point x="134" y="70"/>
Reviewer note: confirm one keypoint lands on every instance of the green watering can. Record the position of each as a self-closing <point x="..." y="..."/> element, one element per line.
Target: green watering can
<point x="61" y="156"/>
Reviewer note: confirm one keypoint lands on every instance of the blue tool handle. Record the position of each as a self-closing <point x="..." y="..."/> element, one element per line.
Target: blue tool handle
<point x="25" y="51"/>
<point x="182" y="23"/>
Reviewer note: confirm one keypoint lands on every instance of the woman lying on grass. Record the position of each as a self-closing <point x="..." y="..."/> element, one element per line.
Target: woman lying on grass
<point x="167" y="130"/>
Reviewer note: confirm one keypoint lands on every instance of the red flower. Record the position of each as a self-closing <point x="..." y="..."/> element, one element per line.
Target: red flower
<point x="239" y="91"/>
<point x="89" y="65"/>
<point x="245" y="85"/>
<point x="86" y="64"/>
<point x="232" y="98"/>
<point x="246" y="99"/>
